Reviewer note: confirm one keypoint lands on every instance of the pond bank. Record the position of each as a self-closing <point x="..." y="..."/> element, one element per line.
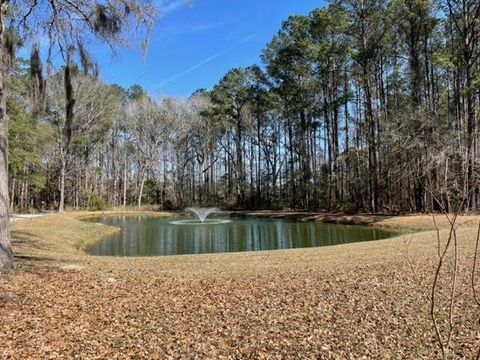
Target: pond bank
<point x="401" y="222"/>
<point x="347" y="301"/>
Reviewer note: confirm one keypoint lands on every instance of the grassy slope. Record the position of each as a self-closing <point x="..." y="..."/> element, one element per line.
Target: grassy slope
<point x="361" y="299"/>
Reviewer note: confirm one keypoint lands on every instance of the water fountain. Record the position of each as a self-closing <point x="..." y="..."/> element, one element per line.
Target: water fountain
<point x="202" y="214"/>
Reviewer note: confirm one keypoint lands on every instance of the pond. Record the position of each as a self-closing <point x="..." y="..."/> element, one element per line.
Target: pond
<point x="151" y="236"/>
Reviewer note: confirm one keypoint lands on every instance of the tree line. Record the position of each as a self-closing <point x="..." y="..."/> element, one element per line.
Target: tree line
<point x="362" y="105"/>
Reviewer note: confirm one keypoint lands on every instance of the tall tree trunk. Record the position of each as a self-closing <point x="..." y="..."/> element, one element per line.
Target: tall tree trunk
<point x="259" y="162"/>
<point x="27" y="196"/>
<point x="6" y="253"/>
<point x="372" y="148"/>
<point x="239" y="163"/>
<point x="125" y="182"/>
<point x="304" y="159"/>
<point x="61" y="204"/>
<point x="471" y="141"/>
<point x="114" y="171"/>
<point x="22" y="196"/>
<point x="12" y="198"/>
<point x="416" y="78"/>
<point x="140" y="190"/>
<point x="465" y="16"/>
<point x="347" y="139"/>
<point x="291" y="168"/>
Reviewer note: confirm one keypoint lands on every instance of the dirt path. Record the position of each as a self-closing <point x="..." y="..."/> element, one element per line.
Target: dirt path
<point x="19" y="217"/>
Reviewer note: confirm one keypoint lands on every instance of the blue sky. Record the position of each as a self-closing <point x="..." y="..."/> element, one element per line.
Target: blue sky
<point x="193" y="46"/>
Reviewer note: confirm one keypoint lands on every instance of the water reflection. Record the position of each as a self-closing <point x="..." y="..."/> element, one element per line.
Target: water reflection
<point x="147" y="236"/>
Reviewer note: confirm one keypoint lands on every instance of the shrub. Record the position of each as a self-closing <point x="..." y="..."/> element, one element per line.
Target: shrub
<point x="96" y="202"/>
<point x="349" y="209"/>
<point x="168" y="205"/>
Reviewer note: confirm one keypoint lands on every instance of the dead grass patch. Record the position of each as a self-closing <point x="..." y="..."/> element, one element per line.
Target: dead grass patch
<point x="348" y="301"/>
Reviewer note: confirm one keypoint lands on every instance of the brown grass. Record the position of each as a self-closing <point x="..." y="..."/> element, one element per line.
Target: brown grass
<point x="347" y="301"/>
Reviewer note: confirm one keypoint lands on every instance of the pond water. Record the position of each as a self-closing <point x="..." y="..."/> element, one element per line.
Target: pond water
<point x="150" y="236"/>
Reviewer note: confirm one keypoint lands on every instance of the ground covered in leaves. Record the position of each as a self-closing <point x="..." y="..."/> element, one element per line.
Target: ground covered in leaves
<point x="362" y="300"/>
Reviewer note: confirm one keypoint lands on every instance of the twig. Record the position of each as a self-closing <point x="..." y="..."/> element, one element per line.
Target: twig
<point x="453" y="290"/>
<point x="438" y="234"/>
<point x="445" y="343"/>
<point x="474" y="270"/>
<point x="474" y="267"/>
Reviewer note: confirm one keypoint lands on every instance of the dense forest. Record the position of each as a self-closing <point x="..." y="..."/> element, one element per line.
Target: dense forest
<point x="363" y="105"/>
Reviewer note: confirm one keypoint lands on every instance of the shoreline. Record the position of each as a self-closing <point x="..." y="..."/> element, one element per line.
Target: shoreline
<point x="91" y="233"/>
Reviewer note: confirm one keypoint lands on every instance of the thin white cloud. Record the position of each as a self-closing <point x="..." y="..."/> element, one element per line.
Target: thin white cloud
<point x="179" y="30"/>
<point x="170" y="6"/>
<point x="205" y="61"/>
